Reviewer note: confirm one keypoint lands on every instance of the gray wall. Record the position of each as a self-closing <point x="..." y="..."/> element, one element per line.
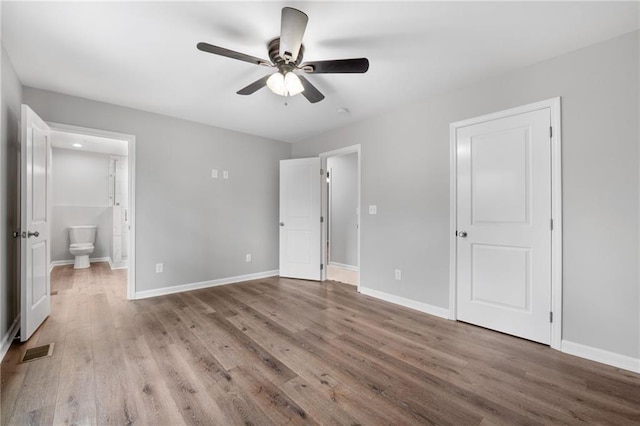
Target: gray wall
<point x="199" y="227"/>
<point x="80" y="186"/>
<point x="405" y="171"/>
<point x="9" y="194"/>
<point x="344" y="204"/>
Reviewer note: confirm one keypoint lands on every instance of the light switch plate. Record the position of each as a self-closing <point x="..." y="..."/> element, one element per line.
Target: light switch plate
<point x="373" y="209"/>
<point x="247" y="258"/>
<point x="159" y="268"/>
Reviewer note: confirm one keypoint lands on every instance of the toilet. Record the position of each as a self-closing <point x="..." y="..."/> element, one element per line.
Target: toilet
<point x="82" y="239"/>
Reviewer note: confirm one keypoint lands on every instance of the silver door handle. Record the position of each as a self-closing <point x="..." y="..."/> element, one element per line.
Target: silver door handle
<point x="281" y="223"/>
<point x="462" y="234"/>
<point x="33" y="234"/>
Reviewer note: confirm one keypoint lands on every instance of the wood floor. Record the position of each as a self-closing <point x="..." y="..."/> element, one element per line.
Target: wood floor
<point x="278" y="351"/>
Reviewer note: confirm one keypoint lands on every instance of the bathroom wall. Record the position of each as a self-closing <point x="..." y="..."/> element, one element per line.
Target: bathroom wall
<point x="343" y="218"/>
<point x="80" y="187"/>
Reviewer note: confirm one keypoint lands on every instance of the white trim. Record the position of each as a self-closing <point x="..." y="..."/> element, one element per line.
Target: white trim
<point x="600" y="355"/>
<point x="324" y="204"/>
<point x="407" y="303"/>
<point x="203" y="284"/>
<point x="7" y="339"/>
<point x="344" y="266"/>
<point x="131" y="158"/>
<point x="556" y="207"/>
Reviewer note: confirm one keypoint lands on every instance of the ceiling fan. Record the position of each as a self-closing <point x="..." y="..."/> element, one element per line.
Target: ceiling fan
<point x="286" y="54"/>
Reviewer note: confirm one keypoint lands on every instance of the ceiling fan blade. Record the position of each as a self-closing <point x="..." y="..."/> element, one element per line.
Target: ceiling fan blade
<point x="292" y="29"/>
<point x="310" y="92"/>
<point x="255" y="86"/>
<point x="209" y="48"/>
<point x="337" y="66"/>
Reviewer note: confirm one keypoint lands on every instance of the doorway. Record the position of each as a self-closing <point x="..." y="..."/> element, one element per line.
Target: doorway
<point x="341" y="213"/>
<point x="102" y="195"/>
<point x="506" y="222"/>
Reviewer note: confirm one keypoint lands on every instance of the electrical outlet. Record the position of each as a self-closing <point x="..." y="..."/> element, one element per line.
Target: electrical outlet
<point x="159" y="268"/>
<point x="225" y="175"/>
<point x="247" y="258"/>
<point x="373" y="209"/>
<point x="398" y="274"/>
<point x="214" y="173"/>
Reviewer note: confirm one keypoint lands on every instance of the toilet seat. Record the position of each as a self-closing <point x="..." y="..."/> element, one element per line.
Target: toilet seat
<point x="81" y="246"/>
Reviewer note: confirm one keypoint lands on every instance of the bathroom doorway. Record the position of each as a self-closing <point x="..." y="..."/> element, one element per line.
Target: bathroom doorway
<point x="92" y="184"/>
<point x="341" y="212"/>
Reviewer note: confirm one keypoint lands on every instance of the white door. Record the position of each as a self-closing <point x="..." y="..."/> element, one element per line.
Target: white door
<point x="504" y="225"/>
<point x="300" y="227"/>
<point x="35" y="301"/>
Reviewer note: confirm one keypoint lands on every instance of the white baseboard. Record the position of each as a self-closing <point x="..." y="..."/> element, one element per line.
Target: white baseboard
<point x="407" y="303"/>
<point x="204" y="284"/>
<point x="55" y="263"/>
<point x="121" y="265"/>
<point x="344" y="266"/>
<point x="7" y="339"/>
<point x="600" y="355"/>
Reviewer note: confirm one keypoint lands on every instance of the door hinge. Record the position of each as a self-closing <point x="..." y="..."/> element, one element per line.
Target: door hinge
<point x="550" y="131"/>
<point x="321" y="219"/>
<point x="327" y="174"/>
<point x="321" y="266"/>
<point x="551" y="224"/>
<point x="550" y="316"/>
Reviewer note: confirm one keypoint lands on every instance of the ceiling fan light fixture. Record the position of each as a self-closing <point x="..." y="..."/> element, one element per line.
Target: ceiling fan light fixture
<point x="293" y="84"/>
<point x="285" y="85"/>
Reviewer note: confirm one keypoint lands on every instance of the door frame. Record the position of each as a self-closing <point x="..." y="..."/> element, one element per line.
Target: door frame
<point x="553" y="105"/>
<point x="324" y="204"/>
<point x="131" y="159"/>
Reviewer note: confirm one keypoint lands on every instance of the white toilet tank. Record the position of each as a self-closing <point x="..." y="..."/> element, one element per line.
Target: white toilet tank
<point x="82" y="234"/>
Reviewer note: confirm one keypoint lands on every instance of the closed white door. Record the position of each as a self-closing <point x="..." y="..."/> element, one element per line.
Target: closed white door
<point x="35" y="300"/>
<point x="300" y="227"/>
<point x="504" y="225"/>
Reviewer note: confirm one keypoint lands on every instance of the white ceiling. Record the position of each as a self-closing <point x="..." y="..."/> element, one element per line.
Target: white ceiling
<point x="143" y="55"/>
<point x="98" y="144"/>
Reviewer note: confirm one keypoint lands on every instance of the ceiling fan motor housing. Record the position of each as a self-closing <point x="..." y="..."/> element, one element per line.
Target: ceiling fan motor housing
<point x="279" y="61"/>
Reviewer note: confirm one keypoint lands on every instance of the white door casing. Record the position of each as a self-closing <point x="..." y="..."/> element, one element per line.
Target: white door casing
<point x="300" y="227"/>
<point x="504" y="211"/>
<point x="35" y="302"/>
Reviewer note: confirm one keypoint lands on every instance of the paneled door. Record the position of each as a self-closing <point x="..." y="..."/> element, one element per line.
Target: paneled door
<point x="504" y="224"/>
<point x="300" y="226"/>
<point x="35" y="303"/>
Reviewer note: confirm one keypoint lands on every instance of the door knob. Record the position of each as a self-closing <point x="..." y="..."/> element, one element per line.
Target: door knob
<point x="33" y="234"/>
<point x="462" y="234"/>
<point x="281" y="223"/>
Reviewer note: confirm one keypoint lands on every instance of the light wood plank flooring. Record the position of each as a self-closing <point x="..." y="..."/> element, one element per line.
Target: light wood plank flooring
<point x="278" y="351"/>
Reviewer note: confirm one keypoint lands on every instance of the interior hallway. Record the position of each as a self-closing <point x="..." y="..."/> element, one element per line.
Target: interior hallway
<point x="277" y="351"/>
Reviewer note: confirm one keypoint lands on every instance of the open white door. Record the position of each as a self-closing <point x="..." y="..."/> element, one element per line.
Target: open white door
<point x="35" y="301"/>
<point x="300" y="227"/>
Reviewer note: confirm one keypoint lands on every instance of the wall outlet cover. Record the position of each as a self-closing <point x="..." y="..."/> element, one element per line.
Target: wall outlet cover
<point x="398" y="274"/>
<point x="373" y="209"/>
<point x="225" y="174"/>
<point x="214" y="173"/>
